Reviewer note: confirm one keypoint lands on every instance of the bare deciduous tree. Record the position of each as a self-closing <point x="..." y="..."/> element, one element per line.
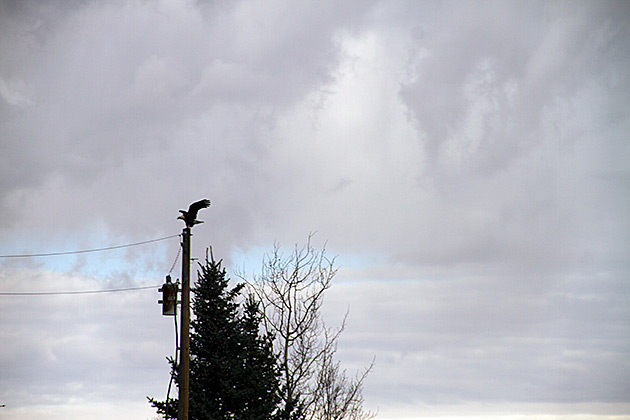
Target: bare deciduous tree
<point x="291" y="290"/>
<point x="338" y="397"/>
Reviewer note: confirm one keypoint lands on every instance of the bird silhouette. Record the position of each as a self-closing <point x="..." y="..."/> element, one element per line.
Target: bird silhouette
<point x="190" y="217"/>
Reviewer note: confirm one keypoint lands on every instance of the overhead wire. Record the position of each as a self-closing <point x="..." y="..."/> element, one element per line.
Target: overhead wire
<point x="176" y="355"/>
<point x="176" y="361"/>
<point x="84" y="251"/>
<point x="179" y="252"/>
<point x="81" y="292"/>
<point x="86" y="292"/>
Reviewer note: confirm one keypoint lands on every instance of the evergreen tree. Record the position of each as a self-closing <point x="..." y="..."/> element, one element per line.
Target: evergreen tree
<point x="233" y="370"/>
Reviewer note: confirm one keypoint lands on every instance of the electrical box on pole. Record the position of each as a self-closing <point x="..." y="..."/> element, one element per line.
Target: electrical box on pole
<point x="169" y="297"/>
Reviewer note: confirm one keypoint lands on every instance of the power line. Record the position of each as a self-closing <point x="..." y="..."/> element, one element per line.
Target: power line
<point x="86" y="292"/>
<point x="179" y="251"/>
<point x="82" y="292"/>
<point x="84" y="251"/>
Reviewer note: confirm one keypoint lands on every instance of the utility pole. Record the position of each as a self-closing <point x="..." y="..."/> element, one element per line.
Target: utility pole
<point x="169" y="302"/>
<point x="184" y="365"/>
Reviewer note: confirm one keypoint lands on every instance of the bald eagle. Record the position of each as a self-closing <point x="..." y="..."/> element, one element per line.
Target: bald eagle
<point x="190" y="216"/>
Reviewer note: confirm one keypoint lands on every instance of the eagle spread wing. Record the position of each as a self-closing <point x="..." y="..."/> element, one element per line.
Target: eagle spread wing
<point x="190" y="216"/>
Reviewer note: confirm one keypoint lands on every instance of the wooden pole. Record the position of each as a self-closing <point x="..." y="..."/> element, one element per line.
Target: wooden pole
<point x="184" y="365"/>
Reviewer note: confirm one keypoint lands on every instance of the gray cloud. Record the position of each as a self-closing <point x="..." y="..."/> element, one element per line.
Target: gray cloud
<point x="468" y="162"/>
<point x="71" y="351"/>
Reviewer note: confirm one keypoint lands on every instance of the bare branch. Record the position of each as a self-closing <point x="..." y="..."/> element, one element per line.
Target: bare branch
<point x="291" y="290"/>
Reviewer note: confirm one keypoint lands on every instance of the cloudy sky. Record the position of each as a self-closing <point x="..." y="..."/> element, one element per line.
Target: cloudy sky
<point x="468" y="162"/>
